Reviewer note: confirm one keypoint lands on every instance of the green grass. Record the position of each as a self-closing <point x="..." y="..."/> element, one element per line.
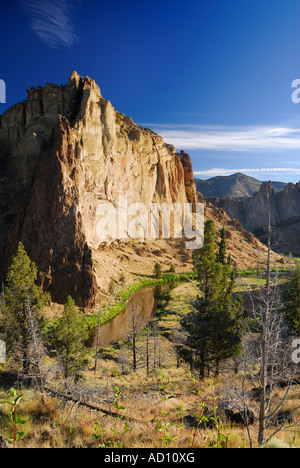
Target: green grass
<point x="253" y="272"/>
<point x="244" y="283"/>
<point x="115" y="309"/>
<point x="178" y="303"/>
<point x="112" y="311"/>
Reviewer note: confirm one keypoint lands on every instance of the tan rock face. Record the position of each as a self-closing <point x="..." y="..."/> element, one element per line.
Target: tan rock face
<point x="63" y="152"/>
<point x="51" y="227"/>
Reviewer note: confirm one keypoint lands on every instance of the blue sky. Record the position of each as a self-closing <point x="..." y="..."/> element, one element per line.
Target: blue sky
<point x="213" y="77"/>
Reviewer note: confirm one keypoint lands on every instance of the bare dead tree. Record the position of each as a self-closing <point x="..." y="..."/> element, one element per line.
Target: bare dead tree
<point x="147" y="349"/>
<point x="122" y="358"/>
<point x="265" y="334"/>
<point x="267" y="347"/>
<point x="133" y="334"/>
<point x="37" y="347"/>
<point x="156" y="345"/>
<point x="97" y="343"/>
<point x="178" y="340"/>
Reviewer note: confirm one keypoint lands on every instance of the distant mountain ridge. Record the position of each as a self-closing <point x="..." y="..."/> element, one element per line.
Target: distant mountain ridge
<point x="234" y="186"/>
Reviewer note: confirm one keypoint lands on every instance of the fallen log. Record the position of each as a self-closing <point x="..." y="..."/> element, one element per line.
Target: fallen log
<point x="87" y="405"/>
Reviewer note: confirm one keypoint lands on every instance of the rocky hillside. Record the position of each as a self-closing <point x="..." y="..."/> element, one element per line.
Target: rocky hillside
<point x="252" y="212"/>
<point x="245" y="249"/>
<point x="285" y="236"/>
<point x="233" y="186"/>
<point x="65" y="151"/>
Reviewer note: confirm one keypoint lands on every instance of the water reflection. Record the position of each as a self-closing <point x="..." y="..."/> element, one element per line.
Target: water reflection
<point x="143" y="305"/>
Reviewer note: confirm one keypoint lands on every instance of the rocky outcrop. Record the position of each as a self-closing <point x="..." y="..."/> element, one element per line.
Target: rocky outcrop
<point x="189" y="182"/>
<point x="253" y="212"/>
<point x="245" y="249"/>
<point x="50" y="224"/>
<point x="63" y="152"/>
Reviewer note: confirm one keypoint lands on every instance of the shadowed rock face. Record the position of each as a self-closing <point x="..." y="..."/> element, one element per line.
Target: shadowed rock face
<point x="62" y="152"/>
<point x="51" y="227"/>
<point x="253" y="212"/>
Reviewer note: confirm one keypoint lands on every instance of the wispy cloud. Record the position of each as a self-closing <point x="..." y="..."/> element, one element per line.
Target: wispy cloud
<point x="52" y="21"/>
<point x="227" y="138"/>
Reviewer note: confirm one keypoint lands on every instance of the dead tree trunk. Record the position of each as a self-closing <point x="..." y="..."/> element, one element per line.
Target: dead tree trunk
<point x="265" y="333"/>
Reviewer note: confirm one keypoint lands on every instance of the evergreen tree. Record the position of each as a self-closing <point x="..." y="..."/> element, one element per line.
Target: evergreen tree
<point x="204" y="260"/>
<point x="197" y="327"/>
<point x="292" y="308"/>
<point x="226" y="319"/>
<point x="69" y="337"/>
<point x="213" y="328"/>
<point x="157" y="270"/>
<point x="221" y="257"/>
<point x="22" y="309"/>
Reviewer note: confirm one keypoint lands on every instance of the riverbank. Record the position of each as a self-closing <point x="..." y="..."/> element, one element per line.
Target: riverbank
<point x="117" y="303"/>
<point x="113" y="310"/>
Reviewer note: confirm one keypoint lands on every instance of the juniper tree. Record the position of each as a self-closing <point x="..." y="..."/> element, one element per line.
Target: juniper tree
<point x="213" y="328"/>
<point x="221" y="257"/>
<point x="197" y="324"/>
<point x="69" y="337"/>
<point x="22" y="310"/>
<point x="157" y="270"/>
<point x="204" y="260"/>
<point x="226" y="319"/>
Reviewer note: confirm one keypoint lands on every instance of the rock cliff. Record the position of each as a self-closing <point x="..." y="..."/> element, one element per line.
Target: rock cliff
<point x="64" y="151"/>
<point x="252" y="211"/>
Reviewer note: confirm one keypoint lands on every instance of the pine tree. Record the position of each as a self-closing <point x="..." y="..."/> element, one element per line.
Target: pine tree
<point x="292" y="308"/>
<point x="22" y="309"/>
<point x="69" y="337"/>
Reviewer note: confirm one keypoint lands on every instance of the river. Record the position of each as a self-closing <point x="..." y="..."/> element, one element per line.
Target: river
<point x="144" y="305"/>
